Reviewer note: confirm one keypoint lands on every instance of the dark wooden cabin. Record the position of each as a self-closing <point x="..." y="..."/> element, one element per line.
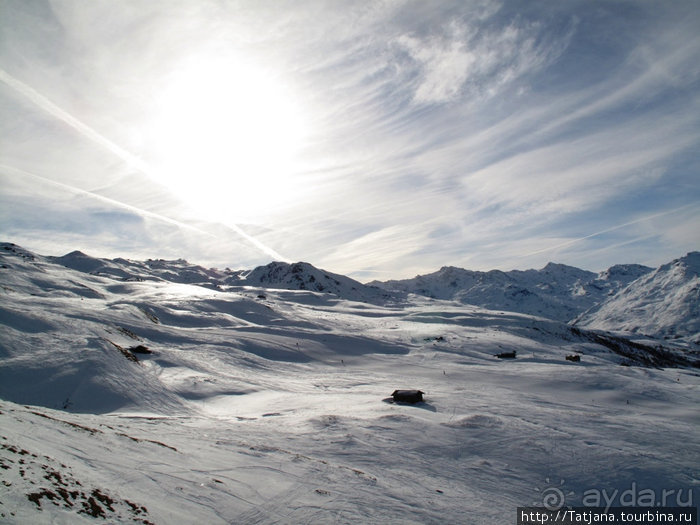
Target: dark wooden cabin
<point x="407" y="396"/>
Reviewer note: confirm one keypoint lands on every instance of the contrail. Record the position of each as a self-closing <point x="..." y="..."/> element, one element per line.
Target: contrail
<point x="145" y="213"/>
<point x="79" y="191"/>
<point x="52" y="109"/>
<point x="133" y="161"/>
<point x="619" y="226"/>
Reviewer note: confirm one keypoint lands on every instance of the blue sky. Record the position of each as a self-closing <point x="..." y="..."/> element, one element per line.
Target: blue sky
<point x="375" y="139"/>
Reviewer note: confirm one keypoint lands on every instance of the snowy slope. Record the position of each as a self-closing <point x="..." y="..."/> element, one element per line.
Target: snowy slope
<point x="158" y="402"/>
<point x="664" y="304"/>
<point x="556" y="291"/>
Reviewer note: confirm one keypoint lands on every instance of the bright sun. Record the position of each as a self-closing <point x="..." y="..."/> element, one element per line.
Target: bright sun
<point x="227" y="136"/>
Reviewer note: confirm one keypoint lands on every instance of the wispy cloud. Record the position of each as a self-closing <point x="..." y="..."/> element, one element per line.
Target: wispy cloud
<point x="584" y="172"/>
<point x="470" y="133"/>
<point x="14" y="172"/>
<point x="132" y="162"/>
<point x="469" y="61"/>
<point x="569" y="242"/>
<point x="53" y="110"/>
<point x="54" y="218"/>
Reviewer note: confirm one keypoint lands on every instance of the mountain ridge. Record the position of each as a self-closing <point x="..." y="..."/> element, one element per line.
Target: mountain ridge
<point x="663" y="304"/>
<point x="557" y="291"/>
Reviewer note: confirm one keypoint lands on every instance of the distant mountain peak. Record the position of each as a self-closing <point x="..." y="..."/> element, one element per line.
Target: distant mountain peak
<point x="690" y="263"/>
<point x="76" y="253"/>
<point x="12" y="248"/>
<point x="552" y="266"/>
<point x="451" y="269"/>
<point x="557" y="291"/>
<point x="664" y="303"/>
<point x="305" y="276"/>
<point x="623" y="270"/>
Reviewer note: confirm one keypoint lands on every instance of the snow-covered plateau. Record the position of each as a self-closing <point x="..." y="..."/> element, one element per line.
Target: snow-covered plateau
<point x="163" y="392"/>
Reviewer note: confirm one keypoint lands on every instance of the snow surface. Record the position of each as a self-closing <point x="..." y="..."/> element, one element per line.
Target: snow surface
<point x="263" y="405"/>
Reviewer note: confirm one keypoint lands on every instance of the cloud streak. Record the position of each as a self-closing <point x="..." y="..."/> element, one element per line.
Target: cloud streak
<point x="132" y="162"/>
<point x="112" y="202"/>
<point x="613" y="228"/>
<point x="480" y="134"/>
<point x="464" y="58"/>
<point x="53" y="110"/>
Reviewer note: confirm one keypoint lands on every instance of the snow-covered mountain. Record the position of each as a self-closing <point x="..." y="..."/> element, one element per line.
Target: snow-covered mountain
<point x="178" y="271"/>
<point x="136" y="398"/>
<point x="279" y="275"/>
<point x="304" y="276"/>
<point x="556" y="291"/>
<point x="664" y="303"/>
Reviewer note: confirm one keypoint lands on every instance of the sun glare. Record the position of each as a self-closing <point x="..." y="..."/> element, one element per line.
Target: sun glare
<point x="227" y="136"/>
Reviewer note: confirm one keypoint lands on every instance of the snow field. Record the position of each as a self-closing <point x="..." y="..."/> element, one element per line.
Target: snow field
<point x="274" y="409"/>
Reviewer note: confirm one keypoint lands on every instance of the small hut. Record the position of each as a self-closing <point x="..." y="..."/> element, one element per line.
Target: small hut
<point x="407" y="396"/>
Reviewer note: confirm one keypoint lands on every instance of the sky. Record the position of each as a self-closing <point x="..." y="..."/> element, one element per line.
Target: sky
<point x="377" y="139"/>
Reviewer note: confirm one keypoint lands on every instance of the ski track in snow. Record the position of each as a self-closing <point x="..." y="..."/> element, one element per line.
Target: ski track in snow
<point x="270" y="406"/>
